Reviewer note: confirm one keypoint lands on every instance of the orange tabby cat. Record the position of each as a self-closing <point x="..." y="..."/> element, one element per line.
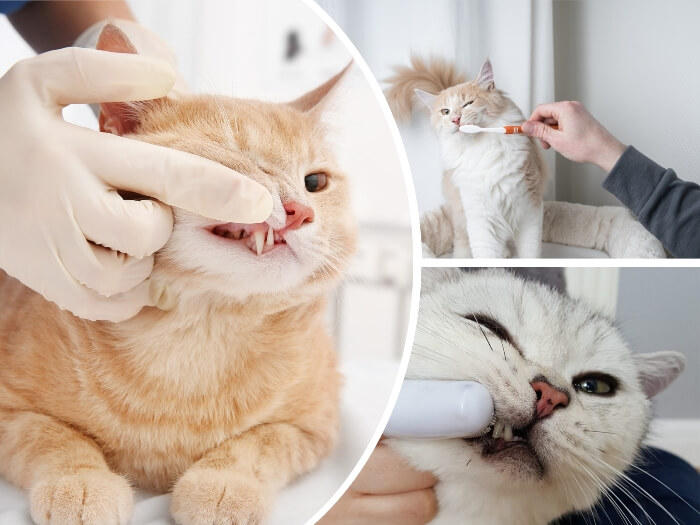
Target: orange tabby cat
<point x="231" y="392"/>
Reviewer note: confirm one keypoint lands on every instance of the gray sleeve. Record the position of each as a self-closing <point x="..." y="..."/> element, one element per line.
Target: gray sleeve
<point x="665" y="205"/>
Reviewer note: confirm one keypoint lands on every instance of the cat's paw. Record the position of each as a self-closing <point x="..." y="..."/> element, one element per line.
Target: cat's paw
<point x="88" y="497"/>
<point x="206" y="496"/>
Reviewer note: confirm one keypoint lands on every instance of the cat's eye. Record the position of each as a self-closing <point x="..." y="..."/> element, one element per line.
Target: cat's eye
<point x="468" y="103"/>
<point x="315" y="182"/>
<point x="445" y="111"/>
<point x="595" y="383"/>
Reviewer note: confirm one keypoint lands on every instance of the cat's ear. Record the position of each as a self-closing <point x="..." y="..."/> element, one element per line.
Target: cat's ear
<point x="426" y="98"/>
<point x="118" y="118"/>
<point x="658" y="370"/>
<point x="484" y="79"/>
<point x="316" y="97"/>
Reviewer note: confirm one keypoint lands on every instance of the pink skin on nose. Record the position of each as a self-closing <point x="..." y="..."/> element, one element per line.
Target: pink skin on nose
<point x="457" y="119"/>
<point x="297" y="215"/>
<point x="548" y="398"/>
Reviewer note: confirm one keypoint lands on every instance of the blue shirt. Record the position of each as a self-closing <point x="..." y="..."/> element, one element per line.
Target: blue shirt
<point x="7" y="8"/>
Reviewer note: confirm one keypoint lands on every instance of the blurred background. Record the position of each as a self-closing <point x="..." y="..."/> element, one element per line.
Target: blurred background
<point x="277" y="50"/>
<point x="631" y="62"/>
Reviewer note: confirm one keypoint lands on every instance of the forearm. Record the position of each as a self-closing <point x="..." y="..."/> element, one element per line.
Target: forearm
<point x="52" y="25"/>
<point x="667" y="206"/>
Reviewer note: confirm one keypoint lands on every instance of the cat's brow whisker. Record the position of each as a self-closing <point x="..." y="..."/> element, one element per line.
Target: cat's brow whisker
<point x="482" y="332"/>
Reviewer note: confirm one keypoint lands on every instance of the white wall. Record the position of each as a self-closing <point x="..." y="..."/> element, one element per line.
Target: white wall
<point x="634" y="64"/>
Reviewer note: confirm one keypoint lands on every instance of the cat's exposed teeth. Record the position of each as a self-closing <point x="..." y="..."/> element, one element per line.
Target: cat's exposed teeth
<point x="259" y="241"/>
<point x="508" y="433"/>
<point x="498" y="429"/>
<point x="270" y="237"/>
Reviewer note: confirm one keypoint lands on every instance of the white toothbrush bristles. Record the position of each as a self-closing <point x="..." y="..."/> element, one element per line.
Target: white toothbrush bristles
<point x="471" y="128"/>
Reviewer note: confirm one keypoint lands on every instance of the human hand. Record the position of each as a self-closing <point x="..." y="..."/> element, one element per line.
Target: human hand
<point x="65" y="232"/>
<point x="580" y="137"/>
<point x="387" y="492"/>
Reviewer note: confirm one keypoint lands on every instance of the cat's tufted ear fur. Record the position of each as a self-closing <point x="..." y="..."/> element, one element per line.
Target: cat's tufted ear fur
<point x="316" y="98"/>
<point x="119" y="118"/>
<point x="658" y="370"/>
<point x="484" y="79"/>
<point x="426" y="98"/>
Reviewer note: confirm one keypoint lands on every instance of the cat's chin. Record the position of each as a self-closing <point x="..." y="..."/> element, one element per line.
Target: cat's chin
<point x="515" y="459"/>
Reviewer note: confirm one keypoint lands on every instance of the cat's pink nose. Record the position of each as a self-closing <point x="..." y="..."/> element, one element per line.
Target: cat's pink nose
<point x="297" y="214"/>
<point x="548" y="398"/>
<point x="457" y="119"/>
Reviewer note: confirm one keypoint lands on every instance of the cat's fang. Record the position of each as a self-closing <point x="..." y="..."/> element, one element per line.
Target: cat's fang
<point x="270" y="237"/>
<point x="508" y="433"/>
<point x="259" y="242"/>
<point x="498" y="429"/>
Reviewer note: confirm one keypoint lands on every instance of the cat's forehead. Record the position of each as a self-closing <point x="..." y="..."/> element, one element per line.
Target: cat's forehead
<point x="542" y="320"/>
<point x="456" y="94"/>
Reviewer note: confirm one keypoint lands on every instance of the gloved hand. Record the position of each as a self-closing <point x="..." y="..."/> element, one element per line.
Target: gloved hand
<point x="60" y="216"/>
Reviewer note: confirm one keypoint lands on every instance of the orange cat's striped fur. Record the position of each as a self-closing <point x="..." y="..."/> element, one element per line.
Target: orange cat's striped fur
<point x="231" y="392"/>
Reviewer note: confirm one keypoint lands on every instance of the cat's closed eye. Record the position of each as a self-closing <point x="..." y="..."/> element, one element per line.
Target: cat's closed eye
<point x="496" y="328"/>
<point x="315" y="182"/>
<point x="595" y="383"/>
<point x="468" y="103"/>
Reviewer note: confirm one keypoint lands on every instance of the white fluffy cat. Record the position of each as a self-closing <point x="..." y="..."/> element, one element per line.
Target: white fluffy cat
<point x="565" y="386"/>
<point x="493" y="184"/>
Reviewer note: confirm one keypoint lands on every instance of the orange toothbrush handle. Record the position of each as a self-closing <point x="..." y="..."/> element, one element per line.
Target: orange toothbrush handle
<point x="515" y="130"/>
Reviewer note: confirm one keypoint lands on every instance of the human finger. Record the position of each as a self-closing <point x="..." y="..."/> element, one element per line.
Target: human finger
<point x="135" y="227"/>
<point x="75" y="75"/>
<point x="91" y="305"/>
<point x="388" y="473"/>
<point x="100" y="269"/>
<point x="546" y="134"/>
<point x="548" y="113"/>
<point x="408" y="508"/>
<point x="177" y="178"/>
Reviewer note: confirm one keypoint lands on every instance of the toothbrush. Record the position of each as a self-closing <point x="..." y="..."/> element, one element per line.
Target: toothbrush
<point x="504" y="130"/>
<point x="428" y="409"/>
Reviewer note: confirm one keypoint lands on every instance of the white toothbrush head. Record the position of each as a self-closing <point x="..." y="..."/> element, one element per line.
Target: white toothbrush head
<point x="430" y="409"/>
<point x="471" y="128"/>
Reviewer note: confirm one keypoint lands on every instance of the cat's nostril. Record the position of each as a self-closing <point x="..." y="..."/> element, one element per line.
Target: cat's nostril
<point x="548" y="398"/>
<point x="297" y="215"/>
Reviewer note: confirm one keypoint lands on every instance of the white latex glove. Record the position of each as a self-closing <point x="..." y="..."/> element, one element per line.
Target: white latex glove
<point x="58" y="180"/>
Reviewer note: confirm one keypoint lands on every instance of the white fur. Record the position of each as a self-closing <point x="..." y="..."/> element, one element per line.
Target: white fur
<point x="582" y="447"/>
<point x="503" y="215"/>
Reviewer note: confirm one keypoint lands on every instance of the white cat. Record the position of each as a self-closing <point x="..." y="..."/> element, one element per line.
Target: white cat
<point x="493" y="184"/>
<point x="571" y="400"/>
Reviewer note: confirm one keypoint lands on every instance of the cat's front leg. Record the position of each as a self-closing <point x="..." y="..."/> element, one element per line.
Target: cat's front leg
<point x="528" y="239"/>
<point x="65" y="472"/>
<point x="235" y="482"/>
<point x="484" y="240"/>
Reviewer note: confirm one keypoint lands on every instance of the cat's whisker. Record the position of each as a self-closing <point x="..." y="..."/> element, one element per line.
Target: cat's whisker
<point x="607" y="491"/>
<point x="617" y="481"/>
<point x="483" y="333"/>
<point x="626" y="478"/>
